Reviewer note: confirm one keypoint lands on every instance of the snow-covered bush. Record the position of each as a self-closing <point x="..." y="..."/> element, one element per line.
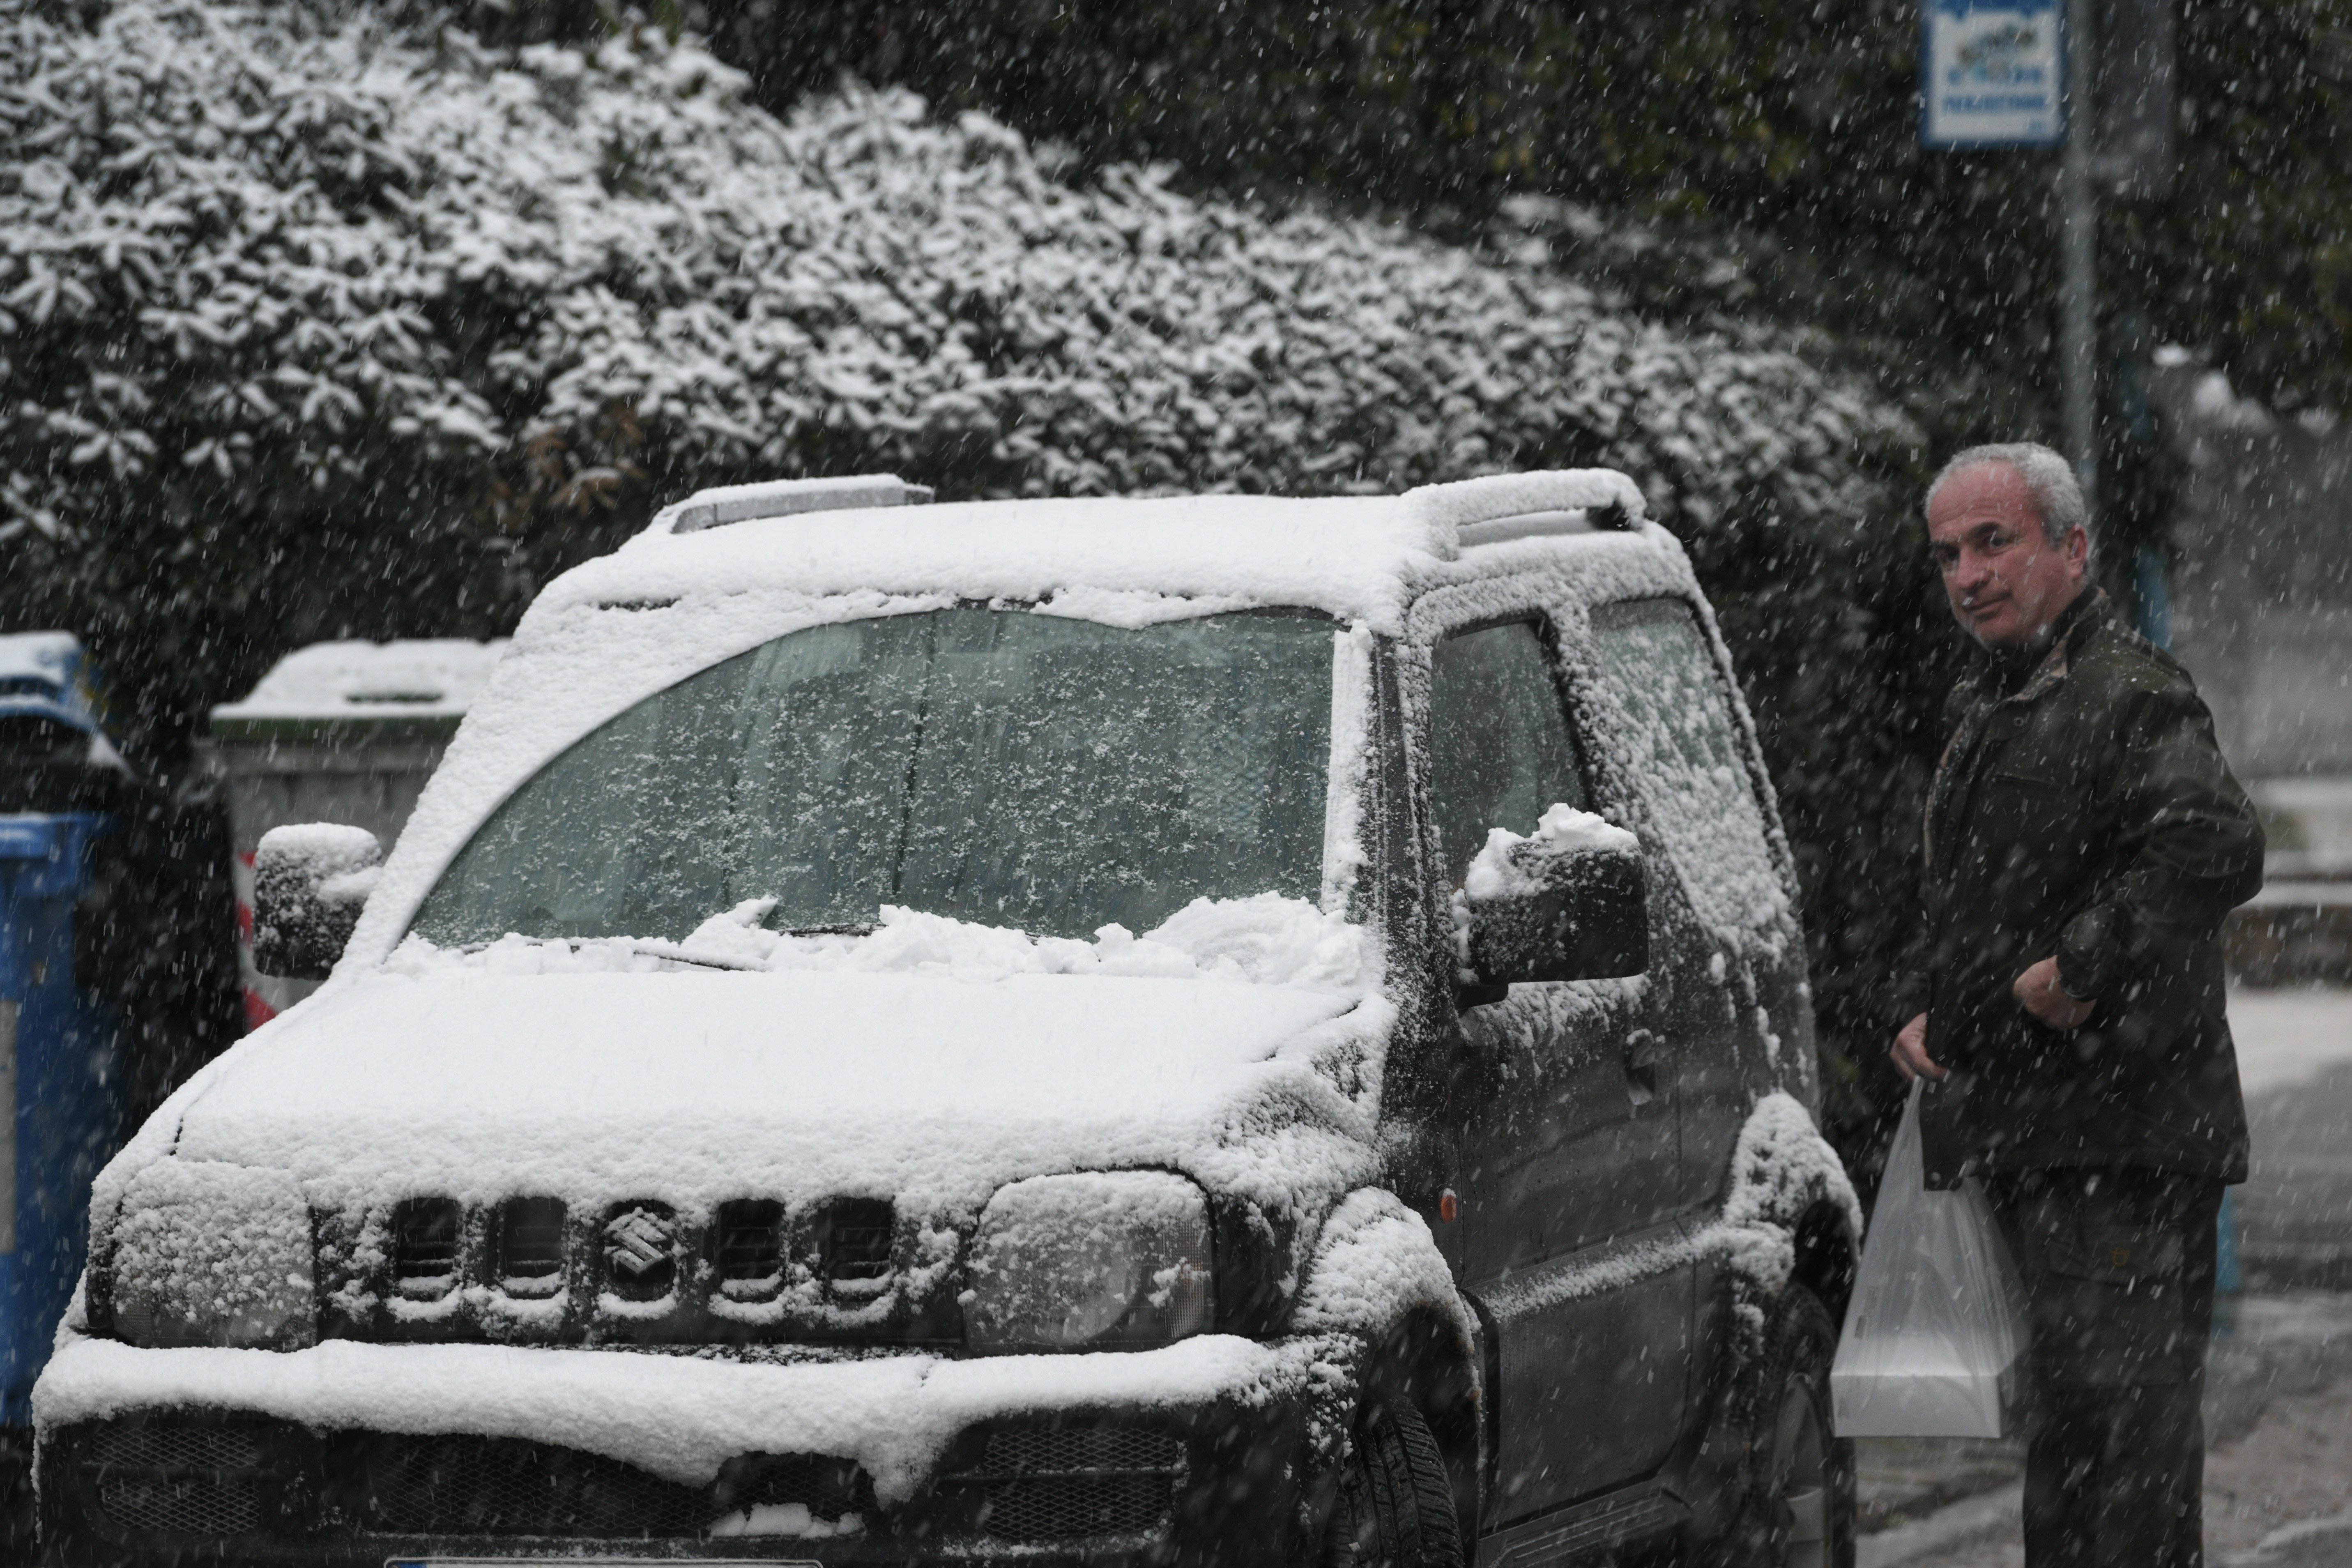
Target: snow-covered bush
<point x="251" y="253"/>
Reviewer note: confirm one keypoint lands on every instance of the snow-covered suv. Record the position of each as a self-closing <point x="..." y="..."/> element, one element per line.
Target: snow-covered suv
<point x="1214" y="1029"/>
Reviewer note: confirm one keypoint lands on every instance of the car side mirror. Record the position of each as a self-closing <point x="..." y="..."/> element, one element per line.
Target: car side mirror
<point x="309" y="883"/>
<point x="1570" y="903"/>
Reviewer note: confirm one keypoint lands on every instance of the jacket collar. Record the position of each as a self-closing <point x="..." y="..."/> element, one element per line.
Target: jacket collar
<point x="2073" y="627"/>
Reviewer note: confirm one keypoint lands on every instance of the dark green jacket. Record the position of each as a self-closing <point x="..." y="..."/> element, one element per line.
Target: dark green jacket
<point x="2087" y="813"/>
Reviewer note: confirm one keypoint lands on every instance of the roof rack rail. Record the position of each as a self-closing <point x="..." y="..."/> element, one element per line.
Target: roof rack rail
<point x="1521" y="506"/>
<point x="1609" y="519"/>
<point x="717" y="507"/>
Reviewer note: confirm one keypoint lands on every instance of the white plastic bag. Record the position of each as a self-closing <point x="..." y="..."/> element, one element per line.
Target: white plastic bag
<point x="1936" y="1336"/>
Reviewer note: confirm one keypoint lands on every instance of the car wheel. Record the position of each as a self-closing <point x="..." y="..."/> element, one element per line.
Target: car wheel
<point x="1395" y="1508"/>
<point x="1799" y="1507"/>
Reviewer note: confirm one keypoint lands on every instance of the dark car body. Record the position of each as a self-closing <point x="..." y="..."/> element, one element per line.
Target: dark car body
<point x="1554" y="1217"/>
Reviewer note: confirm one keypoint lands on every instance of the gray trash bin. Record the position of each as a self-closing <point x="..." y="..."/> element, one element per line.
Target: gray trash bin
<point x="339" y="731"/>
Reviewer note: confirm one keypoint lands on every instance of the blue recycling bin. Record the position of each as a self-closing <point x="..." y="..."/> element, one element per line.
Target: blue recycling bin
<point x="60" y="1036"/>
<point x="57" y="1055"/>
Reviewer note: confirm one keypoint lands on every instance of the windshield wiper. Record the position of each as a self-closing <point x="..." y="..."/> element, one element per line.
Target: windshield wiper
<point x="651" y="947"/>
<point x="656" y="947"/>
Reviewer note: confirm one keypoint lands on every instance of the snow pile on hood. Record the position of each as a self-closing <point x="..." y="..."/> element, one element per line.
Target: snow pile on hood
<point x="1269" y="939"/>
<point x="1501" y="871"/>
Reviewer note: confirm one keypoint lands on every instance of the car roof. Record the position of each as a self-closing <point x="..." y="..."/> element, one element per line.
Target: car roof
<point x="1355" y="557"/>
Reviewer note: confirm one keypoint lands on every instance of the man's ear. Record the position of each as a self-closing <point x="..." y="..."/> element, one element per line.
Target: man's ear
<point x="2078" y="549"/>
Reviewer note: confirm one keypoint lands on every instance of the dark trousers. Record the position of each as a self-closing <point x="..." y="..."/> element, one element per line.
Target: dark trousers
<point x="2118" y="1272"/>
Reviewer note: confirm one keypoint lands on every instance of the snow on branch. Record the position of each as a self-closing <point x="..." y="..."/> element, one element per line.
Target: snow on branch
<point x="249" y="247"/>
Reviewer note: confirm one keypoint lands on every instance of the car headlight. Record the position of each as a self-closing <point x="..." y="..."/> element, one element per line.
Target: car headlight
<point x="1090" y="1261"/>
<point x="205" y="1253"/>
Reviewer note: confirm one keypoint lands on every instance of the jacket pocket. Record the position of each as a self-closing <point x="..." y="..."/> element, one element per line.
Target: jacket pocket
<point x="2118" y="1254"/>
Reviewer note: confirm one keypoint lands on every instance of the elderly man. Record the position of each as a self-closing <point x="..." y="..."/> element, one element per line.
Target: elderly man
<point x="2083" y="840"/>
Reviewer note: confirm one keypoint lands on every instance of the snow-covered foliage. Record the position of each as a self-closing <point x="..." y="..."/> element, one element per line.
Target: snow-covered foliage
<point x="310" y="318"/>
<point x="248" y="242"/>
<point x="320" y="852"/>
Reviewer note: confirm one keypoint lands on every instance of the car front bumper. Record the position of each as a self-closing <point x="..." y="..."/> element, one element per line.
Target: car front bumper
<point x="1212" y="1450"/>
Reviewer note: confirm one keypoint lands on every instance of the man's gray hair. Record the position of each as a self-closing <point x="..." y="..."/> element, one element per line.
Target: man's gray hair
<point x="2049" y="479"/>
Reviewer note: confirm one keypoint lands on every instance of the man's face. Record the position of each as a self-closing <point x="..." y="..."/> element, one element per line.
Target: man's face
<point x="2006" y="581"/>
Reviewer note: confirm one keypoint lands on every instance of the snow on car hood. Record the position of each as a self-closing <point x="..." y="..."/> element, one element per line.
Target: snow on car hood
<point x="693" y="1085"/>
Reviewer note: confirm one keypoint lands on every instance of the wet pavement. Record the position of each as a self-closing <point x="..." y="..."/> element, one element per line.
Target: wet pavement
<point x="2295" y="1212"/>
<point x="2278" y="1404"/>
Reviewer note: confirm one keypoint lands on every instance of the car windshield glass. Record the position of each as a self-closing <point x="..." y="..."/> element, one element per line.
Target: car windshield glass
<point x="992" y="765"/>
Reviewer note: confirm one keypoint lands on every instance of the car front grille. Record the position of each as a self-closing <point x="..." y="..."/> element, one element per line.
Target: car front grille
<point x="530" y="1238"/>
<point x="183" y="1505"/>
<point x="535" y="1268"/>
<point x="497" y="1485"/>
<point x="1064" y="1506"/>
<point x="1043" y="1484"/>
<point x="426" y="1234"/>
<point x="178" y="1448"/>
<point x="856" y="1239"/>
<point x="829" y="1488"/>
<point x="751" y="1239"/>
<point x="213" y="1481"/>
<point x="180" y="1480"/>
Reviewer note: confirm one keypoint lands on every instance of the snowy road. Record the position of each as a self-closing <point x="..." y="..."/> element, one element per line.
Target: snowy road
<point x="2294" y="1214"/>
<point x="2278" y="1495"/>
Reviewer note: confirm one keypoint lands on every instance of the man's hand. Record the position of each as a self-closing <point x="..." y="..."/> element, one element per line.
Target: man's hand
<point x="2037" y="990"/>
<point x="1910" y="1052"/>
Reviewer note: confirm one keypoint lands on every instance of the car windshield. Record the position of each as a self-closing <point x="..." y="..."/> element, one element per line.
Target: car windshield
<point x="999" y="766"/>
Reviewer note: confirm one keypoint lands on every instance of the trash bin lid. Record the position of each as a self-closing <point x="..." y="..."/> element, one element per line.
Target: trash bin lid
<point x="54" y="755"/>
<point x="343" y="693"/>
<point x="46" y="675"/>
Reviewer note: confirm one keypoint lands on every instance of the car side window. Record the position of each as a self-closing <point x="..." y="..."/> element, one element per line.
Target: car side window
<point x="1500" y="748"/>
<point x="1657" y="670"/>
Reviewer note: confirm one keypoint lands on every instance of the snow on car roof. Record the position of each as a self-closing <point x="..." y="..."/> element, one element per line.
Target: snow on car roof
<point x="1353" y="556"/>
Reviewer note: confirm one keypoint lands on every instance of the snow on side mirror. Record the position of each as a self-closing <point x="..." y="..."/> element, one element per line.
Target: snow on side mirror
<point x="1569" y="902"/>
<point x="310" y="882"/>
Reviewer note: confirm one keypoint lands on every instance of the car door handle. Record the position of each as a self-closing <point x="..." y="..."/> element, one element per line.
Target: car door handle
<point x="1642" y="1066"/>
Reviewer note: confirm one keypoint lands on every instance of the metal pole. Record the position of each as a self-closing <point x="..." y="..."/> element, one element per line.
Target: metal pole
<point x="2078" y="204"/>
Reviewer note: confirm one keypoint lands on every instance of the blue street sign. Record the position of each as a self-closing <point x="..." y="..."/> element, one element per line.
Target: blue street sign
<point x="1993" y="73"/>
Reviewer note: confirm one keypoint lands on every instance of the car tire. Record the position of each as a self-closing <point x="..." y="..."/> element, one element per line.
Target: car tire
<point x="1797" y="1509"/>
<point x="1395" y="1508"/>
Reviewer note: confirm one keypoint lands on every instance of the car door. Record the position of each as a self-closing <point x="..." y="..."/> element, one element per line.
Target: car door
<point x="1568" y="1159"/>
<point x="1727" y="956"/>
